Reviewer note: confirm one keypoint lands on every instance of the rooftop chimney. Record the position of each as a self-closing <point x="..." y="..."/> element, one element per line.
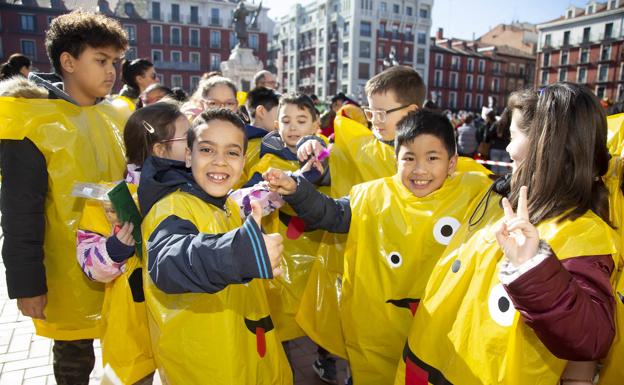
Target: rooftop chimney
<point x="440" y="34"/>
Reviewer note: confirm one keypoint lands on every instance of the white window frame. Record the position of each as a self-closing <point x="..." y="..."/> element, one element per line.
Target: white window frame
<point x="212" y="56"/>
<point x="479" y="101"/>
<point x="470" y="65"/>
<point x="193" y="53"/>
<point x="578" y="75"/>
<point x="468" y="101"/>
<point x="34" y="57"/>
<point x="439" y="58"/>
<point x="561" y="57"/>
<point x="133" y="27"/>
<point x="470" y="84"/>
<point x="171" y="29"/>
<point x="194" y="83"/>
<point x="438" y="78"/>
<point x="154" y="27"/>
<point x="480" y="82"/>
<point x="173" y="81"/>
<point x="198" y="38"/>
<point x="171" y="56"/>
<point x="565" y="76"/>
<point x="600" y="66"/>
<point x="544" y="81"/>
<point x="453" y="99"/>
<point x="161" y="55"/>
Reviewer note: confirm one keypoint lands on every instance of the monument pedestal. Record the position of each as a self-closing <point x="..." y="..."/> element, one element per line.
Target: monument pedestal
<point x="241" y="67"/>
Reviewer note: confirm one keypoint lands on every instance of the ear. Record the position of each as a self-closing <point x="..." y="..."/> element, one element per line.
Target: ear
<point x="260" y="112"/>
<point x="413" y="107"/>
<point x="160" y="150"/>
<point x="276" y="124"/>
<point x="188" y="154"/>
<point x="67" y="62"/>
<point x="452" y="165"/>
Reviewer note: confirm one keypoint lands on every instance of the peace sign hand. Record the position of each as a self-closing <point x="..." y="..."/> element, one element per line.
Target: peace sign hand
<point x="516" y="235"/>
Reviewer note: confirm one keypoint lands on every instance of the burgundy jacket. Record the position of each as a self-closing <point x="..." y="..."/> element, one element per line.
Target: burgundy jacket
<point x="569" y="304"/>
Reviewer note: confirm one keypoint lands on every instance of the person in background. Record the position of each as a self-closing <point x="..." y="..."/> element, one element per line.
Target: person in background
<point x="467" y="138"/>
<point x="498" y="137"/>
<point x="266" y="79"/>
<point x="153" y="94"/>
<point x="136" y="75"/>
<point x="17" y="64"/>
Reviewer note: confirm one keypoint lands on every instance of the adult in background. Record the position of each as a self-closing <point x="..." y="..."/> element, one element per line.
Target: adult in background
<point x="467" y="137"/>
<point x="136" y="75"/>
<point x="17" y="64"/>
<point x="266" y="79"/>
<point x="498" y="137"/>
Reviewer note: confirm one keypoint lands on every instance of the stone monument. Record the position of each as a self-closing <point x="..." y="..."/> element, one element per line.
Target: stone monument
<point x="242" y="64"/>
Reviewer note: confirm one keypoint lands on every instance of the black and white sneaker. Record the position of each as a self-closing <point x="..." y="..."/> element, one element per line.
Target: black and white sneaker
<point x="325" y="368"/>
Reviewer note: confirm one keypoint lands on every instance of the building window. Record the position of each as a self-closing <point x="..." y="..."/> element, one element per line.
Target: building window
<point x="176" y="56"/>
<point x="455" y="63"/>
<point x="155" y="10"/>
<point x="424" y="13"/>
<point x="161" y="78"/>
<point x="233" y="40"/>
<point x="566" y="38"/>
<point x="27" y="23"/>
<point x="495" y="84"/>
<point x="365" y="29"/>
<point x="479" y="101"/>
<point x="546" y="59"/>
<point x="608" y="30"/>
<point x="600" y="92"/>
<point x="215" y="17"/>
<point x="156" y="34"/>
<point x="469" y="82"/>
<point x="345" y="49"/>
<point x="453" y="79"/>
<point x="157" y="55"/>
<point x="605" y="53"/>
<point x="437" y="79"/>
<point x="439" y="60"/>
<point x="481" y="66"/>
<point x="363" y="71"/>
<point x="468" y="101"/>
<point x="176" y="81"/>
<point x="420" y="56"/>
<point x="544" y="78"/>
<point x="396" y="8"/>
<point x="215" y="39"/>
<point x="194" y="37"/>
<point x="383" y="7"/>
<point x="584" y="55"/>
<point x="564" y="58"/>
<point x="130" y="53"/>
<point x="194" y="14"/>
<point x="408" y="11"/>
<point x="453" y="99"/>
<point x="470" y="66"/>
<point x="195" y="58"/>
<point x="345" y="70"/>
<point x="253" y="41"/>
<point x="497" y="68"/>
<point x="582" y="75"/>
<point x="480" y="82"/>
<point x="175" y="13"/>
<point x="422" y="38"/>
<point x="175" y="38"/>
<point x="365" y="49"/>
<point x="586" y="34"/>
<point x="563" y="74"/>
<point x="521" y="69"/>
<point x="547" y="40"/>
<point x="28" y="49"/>
<point x="603" y="73"/>
<point x="194" y="82"/>
<point x="215" y="62"/>
<point x="131" y="31"/>
<point x="345" y="29"/>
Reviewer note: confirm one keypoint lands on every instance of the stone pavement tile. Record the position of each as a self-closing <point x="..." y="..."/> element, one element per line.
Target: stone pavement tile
<point x="51" y="380"/>
<point x="35" y="381"/>
<point x="24" y="364"/>
<point x="5" y="336"/>
<point x="40" y="348"/>
<point x="39" y="371"/>
<point x="11" y="378"/>
<point x="8" y="357"/>
<point x="20" y="342"/>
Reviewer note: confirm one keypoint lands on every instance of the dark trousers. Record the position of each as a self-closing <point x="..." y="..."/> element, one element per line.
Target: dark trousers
<point x="73" y="361"/>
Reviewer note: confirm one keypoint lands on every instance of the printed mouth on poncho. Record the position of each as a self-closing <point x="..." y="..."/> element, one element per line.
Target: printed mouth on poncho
<point x="295" y="227"/>
<point x="418" y="372"/>
<point x="409" y="303"/>
<point x="621" y="297"/>
<point x="260" y="328"/>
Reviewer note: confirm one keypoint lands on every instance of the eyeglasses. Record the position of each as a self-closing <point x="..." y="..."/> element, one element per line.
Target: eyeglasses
<point x="210" y="103"/>
<point x="381" y="114"/>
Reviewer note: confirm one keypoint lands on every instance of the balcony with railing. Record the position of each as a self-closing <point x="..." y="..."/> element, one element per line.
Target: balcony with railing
<point x="174" y="18"/>
<point x="192" y="19"/>
<point x="174" y="65"/>
<point x="215" y="21"/>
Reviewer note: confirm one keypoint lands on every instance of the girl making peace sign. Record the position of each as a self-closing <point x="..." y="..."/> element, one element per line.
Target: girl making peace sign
<point x="524" y="296"/>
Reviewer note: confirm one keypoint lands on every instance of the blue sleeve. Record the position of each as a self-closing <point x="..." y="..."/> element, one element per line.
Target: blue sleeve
<point x="183" y="260"/>
<point x="317" y="210"/>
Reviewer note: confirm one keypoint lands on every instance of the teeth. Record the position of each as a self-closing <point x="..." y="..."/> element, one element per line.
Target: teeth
<point x="421" y="182"/>
<point x="218" y="176"/>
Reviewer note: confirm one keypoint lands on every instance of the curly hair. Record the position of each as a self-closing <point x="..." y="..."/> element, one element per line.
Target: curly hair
<point x="75" y="31"/>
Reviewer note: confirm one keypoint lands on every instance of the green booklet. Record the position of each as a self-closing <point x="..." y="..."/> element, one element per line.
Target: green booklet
<point x="127" y="211"/>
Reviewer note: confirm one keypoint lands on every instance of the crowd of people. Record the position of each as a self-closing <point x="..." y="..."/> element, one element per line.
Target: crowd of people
<point x="196" y="236"/>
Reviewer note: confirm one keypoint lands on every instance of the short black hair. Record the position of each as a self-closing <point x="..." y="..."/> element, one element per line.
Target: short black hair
<point x="261" y="96"/>
<point x="302" y="101"/>
<point x="421" y="122"/>
<point x="77" y="30"/>
<point x="222" y="114"/>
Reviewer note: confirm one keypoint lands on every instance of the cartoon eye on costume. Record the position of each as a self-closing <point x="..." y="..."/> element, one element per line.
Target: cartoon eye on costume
<point x="620" y="297"/>
<point x="444" y="229"/>
<point x="500" y="306"/>
<point x="394" y="259"/>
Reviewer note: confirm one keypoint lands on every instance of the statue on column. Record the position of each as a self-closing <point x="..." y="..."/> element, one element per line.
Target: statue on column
<point x="239" y="20"/>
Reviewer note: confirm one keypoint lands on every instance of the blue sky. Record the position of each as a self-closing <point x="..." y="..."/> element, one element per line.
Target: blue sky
<point x="462" y="18"/>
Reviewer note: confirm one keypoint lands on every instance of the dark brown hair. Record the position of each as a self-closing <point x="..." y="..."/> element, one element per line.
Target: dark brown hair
<point x="13" y="66"/>
<point x="222" y="114"/>
<point x="130" y="69"/>
<point x="138" y="138"/>
<point x="302" y="101"/>
<point x="77" y="30"/>
<point x="567" y="153"/>
<point x="405" y="82"/>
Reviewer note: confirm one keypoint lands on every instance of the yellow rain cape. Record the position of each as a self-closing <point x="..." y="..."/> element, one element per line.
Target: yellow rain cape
<point x="252" y="157"/>
<point x="615" y="137"/>
<point x="222" y="338"/>
<point x="394" y="242"/>
<point x="126" y="344"/>
<point x="613" y="369"/>
<point x="124" y="102"/>
<point x="80" y="144"/>
<point x="284" y="292"/>
<point x="466" y="330"/>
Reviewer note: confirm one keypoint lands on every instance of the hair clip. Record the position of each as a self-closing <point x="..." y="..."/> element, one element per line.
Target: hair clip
<point x="541" y="91"/>
<point x="148" y="127"/>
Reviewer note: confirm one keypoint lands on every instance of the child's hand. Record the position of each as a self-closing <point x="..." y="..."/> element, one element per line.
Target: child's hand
<point x="309" y="148"/>
<point x="274" y="243"/>
<point x="280" y="182"/>
<point x="125" y="234"/>
<point x="516" y="235"/>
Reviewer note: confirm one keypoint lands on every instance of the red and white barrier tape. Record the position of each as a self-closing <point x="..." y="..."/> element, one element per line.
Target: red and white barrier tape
<point x="493" y="163"/>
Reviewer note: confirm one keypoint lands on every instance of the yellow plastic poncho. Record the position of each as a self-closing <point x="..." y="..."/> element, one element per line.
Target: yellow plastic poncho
<point x="222" y="338"/>
<point x="285" y="292"/>
<point x="466" y="329"/>
<point x="394" y="242"/>
<point x="126" y="343"/>
<point x="612" y="372"/>
<point x="615" y="136"/>
<point x="252" y="157"/>
<point x="124" y="102"/>
<point x="80" y="144"/>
